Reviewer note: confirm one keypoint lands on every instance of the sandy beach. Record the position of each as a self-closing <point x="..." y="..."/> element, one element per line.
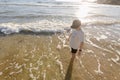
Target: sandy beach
<point x="33" y="43"/>
<point x="37" y="57"/>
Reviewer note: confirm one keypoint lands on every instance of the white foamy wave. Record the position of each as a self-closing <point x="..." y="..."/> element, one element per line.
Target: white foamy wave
<point x="101" y="37"/>
<point x="116" y="60"/>
<point x="92" y="20"/>
<point x="99" y="68"/>
<point x="39" y="26"/>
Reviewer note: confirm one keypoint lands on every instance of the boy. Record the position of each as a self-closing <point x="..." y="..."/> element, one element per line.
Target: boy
<point x="76" y="38"/>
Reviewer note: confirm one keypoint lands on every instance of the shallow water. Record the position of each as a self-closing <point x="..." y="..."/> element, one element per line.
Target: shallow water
<point x="26" y="54"/>
<point x="47" y="58"/>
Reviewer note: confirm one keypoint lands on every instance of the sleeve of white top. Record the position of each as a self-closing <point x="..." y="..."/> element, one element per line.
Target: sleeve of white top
<point x="81" y="37"/>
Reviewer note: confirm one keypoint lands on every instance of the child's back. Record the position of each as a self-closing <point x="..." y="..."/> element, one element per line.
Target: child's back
<point x="77" y="36"/>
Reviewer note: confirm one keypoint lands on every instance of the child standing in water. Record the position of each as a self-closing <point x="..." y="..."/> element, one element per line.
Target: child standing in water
<point x="76" y="38"/>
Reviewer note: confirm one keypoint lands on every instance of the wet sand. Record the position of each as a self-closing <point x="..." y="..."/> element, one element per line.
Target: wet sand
<point x="37" y="57"/>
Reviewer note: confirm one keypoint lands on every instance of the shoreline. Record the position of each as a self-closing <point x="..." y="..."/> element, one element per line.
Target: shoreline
<point x="29" y="32"/>
<point x="37" y="57"/>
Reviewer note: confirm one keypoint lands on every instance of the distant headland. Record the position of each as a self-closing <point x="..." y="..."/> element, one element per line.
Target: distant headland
<point x="113" y="2"/>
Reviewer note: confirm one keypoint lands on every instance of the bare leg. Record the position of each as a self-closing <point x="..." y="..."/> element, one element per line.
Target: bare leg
<point x="81" y="46"/>
<point x="79" y="53"/>
<point x="73" y="56"/>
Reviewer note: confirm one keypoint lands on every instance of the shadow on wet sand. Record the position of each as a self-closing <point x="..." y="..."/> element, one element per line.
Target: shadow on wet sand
<point x="68" y="75"/>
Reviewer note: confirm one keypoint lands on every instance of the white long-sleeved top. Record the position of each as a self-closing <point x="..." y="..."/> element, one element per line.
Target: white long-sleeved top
<point x="77" y="36"/>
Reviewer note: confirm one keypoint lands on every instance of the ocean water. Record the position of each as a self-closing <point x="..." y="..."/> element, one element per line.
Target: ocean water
<point x="53" y="16"/>
<point x="100" y="59"/>
<point x="50" y="17"/>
